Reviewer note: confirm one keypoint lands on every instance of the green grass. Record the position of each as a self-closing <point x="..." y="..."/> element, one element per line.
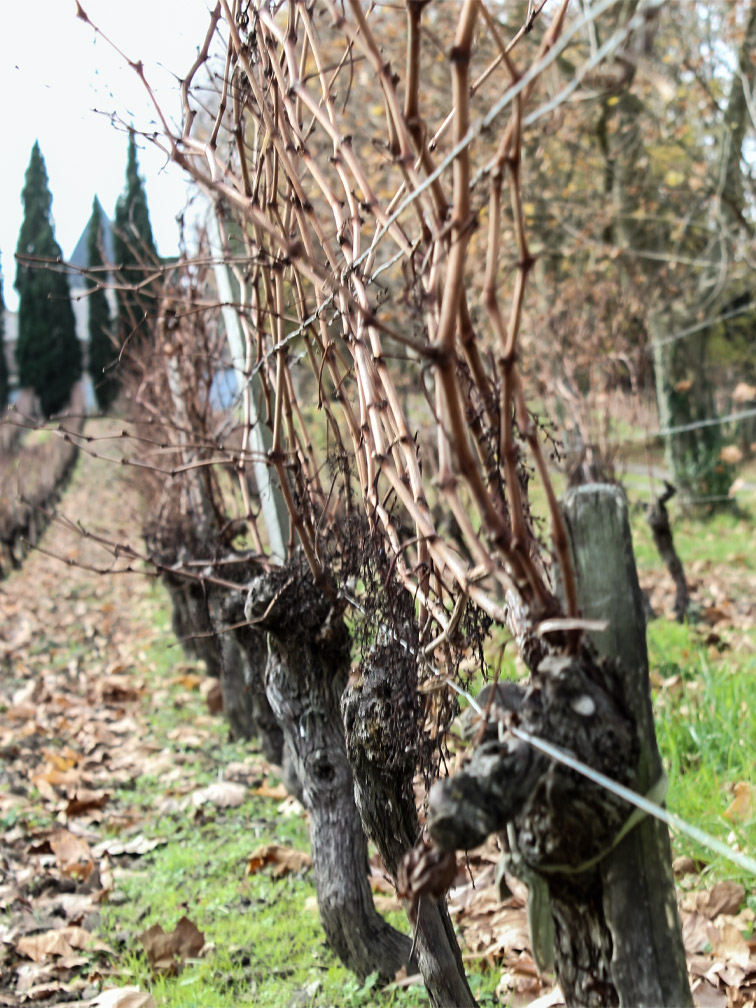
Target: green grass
<point x="725" y="537"/>
<point x="706" y="727"/>
<point x="705" y="699"/>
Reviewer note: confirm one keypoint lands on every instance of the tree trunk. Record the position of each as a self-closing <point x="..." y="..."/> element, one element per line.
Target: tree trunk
<point x="602" y="896"/>
<point x="242" y="674"/>
<point x="638" y="886"/>
<point x="250" y="648"/>
<point x="558" y="825"/>
<point x="307" y="671"/>
<point x="382" y="720"/>
<point x="202" y="613"/>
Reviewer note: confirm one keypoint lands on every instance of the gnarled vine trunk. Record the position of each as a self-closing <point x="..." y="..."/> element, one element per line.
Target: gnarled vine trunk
<point x="382" y="721"/>
<point x="307" y="671"/>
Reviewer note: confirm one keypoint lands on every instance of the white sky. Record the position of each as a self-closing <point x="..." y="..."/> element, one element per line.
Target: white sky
<point x="54" y="73"/>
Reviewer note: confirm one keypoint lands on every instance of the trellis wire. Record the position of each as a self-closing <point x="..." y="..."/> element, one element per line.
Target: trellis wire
<point x="670" y="819"/>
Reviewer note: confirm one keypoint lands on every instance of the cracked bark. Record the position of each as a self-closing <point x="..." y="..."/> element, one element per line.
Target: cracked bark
<point x="621" y="911"/>
<point x="381" y="719"/>
<point x="306" y="674"/>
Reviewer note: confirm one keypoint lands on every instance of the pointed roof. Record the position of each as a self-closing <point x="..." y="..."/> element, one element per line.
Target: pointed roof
<point x="79" y="257"/>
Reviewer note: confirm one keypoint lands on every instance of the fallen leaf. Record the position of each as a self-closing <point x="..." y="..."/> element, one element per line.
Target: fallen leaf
<point x="549" y="1000"/>
<point x="73" y="854"/>
<point x="695" y="933"/>
<point x="137" y="845"/>
<point x="686" y="866"/>
<point x="266" y="791"/>
<point x="386" y="904"/>
<point x="224" y="794"/>
<point x="730" y="945"/>
<point x="402" y="981"/>
<point x="706" y="995"/>
<point x="123" y="997"/>
<point x="731" y="454"/>
<point x="59" y="943"/>
<point x="290" y="806"/>
<point x="724" y="898"/>
<point x="188" y="680"/>
<point x="167" y="952"/>
<point x="249" y="772"/>
<point x="285" y="859"/>
<point x="61" y="761"/>
<point x="743" y="805"/>
<point x="86" y="801"/>
<point x="743" y="392"/>
<point x="118" y="689"/>
<point x="188" y="737"/>
<point x="211" y="690"/>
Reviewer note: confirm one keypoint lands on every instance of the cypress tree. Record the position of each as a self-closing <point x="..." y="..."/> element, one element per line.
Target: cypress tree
<point x="135" y="253"/>
<point x="3" y="361"/>
<point x="102" y="348"/>
<point x="47" y="350"/>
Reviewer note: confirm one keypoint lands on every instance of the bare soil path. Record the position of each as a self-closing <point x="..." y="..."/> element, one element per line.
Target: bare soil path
<point x="72" y="649"/>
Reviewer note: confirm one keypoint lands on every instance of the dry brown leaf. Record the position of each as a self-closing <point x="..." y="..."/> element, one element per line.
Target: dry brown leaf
<point x="167" y="952"/>
<point x="189" y="680"/>
<point x="552" y="999"/>
<point x="38" y="947"/>
<point x="61" y="760"/>
<point x="731" y="454"/>
<point x="20" y="712"/>
<point x="84" y="801"/>
<point x="137" y="845"/>
<point x="386" y="904"/>
<point x="743" y="805"/>
<point x="402" y="981"/>
<point x="266" y="791"/>
<point x="123" y="997"/>
<point x="223" y="794"/>
<point x="59" y="943"/>
<point x="706" y="995"/>
<point x="743" y="392"/>
<point x="724" y="898"/>
<point x="56" y="778"/>
<point x="695" y="933"/>
<point x="73" y="854"/>
<point x="188" y="736"/>
<point x="684" y="865"/>
<point x="290" y="806"/>
<point x="249" y="771"/>
<point x="213" y="694"/>
<point x="31" y="975"/>
<point x="730" y="945"/>
<point x="117" y="689"/>
<point x="286" y="860"/>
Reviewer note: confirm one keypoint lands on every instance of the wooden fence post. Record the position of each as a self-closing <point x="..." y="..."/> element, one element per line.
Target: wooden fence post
<point x="648" y="960"/>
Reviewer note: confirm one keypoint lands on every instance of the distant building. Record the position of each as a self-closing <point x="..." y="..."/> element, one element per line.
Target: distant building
<point x="80" y="304"/>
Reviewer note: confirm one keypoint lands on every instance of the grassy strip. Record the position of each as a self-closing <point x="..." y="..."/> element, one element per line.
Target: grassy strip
<point x="706" y="725"/>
